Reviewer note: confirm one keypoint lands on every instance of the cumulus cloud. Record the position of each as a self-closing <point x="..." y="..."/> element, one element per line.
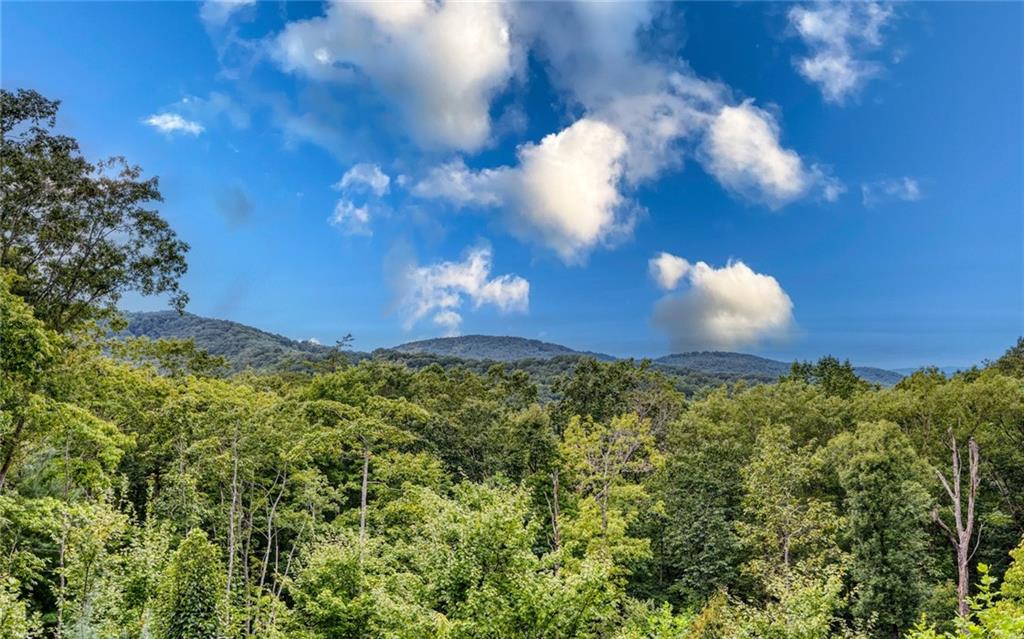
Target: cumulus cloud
<point x="667" y="269"/>
<point x="724" y="308"/>
<point x="365" y="176"/>
<point x="639" y="111"/>
<point x="571" y="190"/>
<point x="742" y="150"/>
<point x="172" y="123"/>
<point x="564" y="191"/>
<point x="838" y="36"/>
<point x="440" y="64"/>
<point x="440" y="290"/>
<point x="905" y="189"/>
<point x="216" y="13"/>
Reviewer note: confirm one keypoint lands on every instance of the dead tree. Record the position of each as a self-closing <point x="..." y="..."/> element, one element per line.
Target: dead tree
<point x="962" y="529"/>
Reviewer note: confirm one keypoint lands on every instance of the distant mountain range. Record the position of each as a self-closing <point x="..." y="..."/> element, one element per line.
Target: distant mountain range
<point x="243" y="346"/>
<point x="247" y="347"/>
<point x="498" y="349"/>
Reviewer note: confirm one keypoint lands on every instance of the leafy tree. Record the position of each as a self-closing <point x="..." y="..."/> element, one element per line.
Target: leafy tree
<point x="1012" y="361"/>
<point x="886" y="507"/>
<point x="784" y="526"/>
<point x="29" y="352"/>
<point x="188" y="604"/>
<point x="835" y="378"/>
<point x="605" y="465"/>
<point x="77" y="235"/>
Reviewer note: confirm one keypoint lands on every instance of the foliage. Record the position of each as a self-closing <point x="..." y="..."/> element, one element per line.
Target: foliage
<point x="323" y="494"/>
<point x="190" y="594"/>
<point x="77" y="235"/>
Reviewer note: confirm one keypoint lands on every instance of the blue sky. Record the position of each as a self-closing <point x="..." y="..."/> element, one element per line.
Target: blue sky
<point x="787" y="180"/>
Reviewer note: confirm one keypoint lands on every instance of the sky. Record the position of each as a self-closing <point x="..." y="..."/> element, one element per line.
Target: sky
<point x="629" y="178"/>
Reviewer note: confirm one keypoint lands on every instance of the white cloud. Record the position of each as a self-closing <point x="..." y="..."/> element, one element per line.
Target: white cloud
<point x="365" y="176"/>
<point x="439" y="290"/>
<point x="450" y="321"/>
<point x="641" y="118"/>
<point x="216" y="105"/>
<point x="216" y="13"/>
<point x="564" y="192"/>
<point x="905" y="188"/>
<point x="313" y="340"/>
<point x="462" y="186"/>
<point x="191" y="114"/>
<point x="351" y="219"/>
<point x="838" y="35"/>
<point x="171" y="123"/>
<point x="440" y="64"/>
<point x="367" y="183"/>
<point x="742" y="149"/>
<point x="724" y="308"/>
<point x="569" y="187"/>
<point x="667" y="269"/>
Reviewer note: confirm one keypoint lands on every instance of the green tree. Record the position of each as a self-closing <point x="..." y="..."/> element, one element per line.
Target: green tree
<point x="76" y="234"/>
<point x="835" y="377"/>
<point x="886" y="508"/>
<point x="190" y="596"/>
<point x="784" y="523"/>
<point x="1012" y="361"/>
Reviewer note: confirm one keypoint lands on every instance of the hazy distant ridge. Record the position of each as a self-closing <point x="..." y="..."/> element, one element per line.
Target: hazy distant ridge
<point x="248" y="347"/>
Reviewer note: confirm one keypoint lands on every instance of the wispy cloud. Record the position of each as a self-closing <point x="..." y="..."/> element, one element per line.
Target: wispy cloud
<point x="839" y="35"/>
<point x="906" y="189"/>
<point x="350" y="218"/>
<point x="172" y="123"/>
<point x="439" y="290"/>
<point x="363" y="182"/>
<point x="216" y="13"/>
<point x="365" y="176"/>
<point x="192" y="114"/>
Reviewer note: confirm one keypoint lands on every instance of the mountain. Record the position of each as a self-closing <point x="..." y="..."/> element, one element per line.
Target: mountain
<point x="247" y="347"/>
<point x="948" y="371"/>
<point x="243" y="346"/>
<point x="717" y="363"/>
<point x="494" y="348"/>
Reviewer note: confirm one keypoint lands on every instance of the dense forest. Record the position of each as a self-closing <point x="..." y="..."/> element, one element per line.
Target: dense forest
<point x="245" y="348"/>
<point x="146" y="490"/>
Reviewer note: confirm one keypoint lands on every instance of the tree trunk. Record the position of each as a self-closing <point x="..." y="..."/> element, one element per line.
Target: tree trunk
<point x="555" y="532"/>
<point x="962" y="530"/>
<point x="231" y="522"/>
<point x="9" y="448"/>
<point x="362" y="498"/>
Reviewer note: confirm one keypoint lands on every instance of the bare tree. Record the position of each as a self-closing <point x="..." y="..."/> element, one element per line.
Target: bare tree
<point x="962" y="529"/>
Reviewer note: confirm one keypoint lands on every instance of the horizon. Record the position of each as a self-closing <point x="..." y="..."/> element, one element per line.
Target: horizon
<point x="650" y="356"/>
<point x="626" y="178"/>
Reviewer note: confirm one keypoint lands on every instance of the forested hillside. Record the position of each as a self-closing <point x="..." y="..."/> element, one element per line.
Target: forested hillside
<point x="245" y="347"/>
<point x="242" y="346"/>
<point x="490" y="347"/>
<point x="147" y="493"/>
